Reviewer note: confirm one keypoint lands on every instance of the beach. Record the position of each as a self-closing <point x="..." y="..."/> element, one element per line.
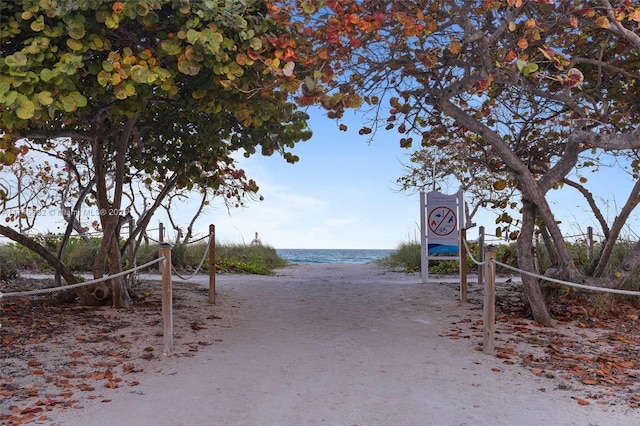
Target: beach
<point x="325" y="344"/>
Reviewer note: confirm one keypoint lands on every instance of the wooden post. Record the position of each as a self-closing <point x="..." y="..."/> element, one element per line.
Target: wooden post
<point x="463" y="266"/>
<point x="212" y="264"/>
<point x="132" y="244"/>
<point x="488" y="341"/>
<point x="590" y="240"/>
<point x="167" y="299"/>
<point x="424" y="250"/>
<point x="161" y="233"/>
<point x="481" y="255"/>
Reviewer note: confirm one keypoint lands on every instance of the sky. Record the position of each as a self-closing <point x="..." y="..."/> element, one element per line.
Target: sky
<point x="342" y="194"/>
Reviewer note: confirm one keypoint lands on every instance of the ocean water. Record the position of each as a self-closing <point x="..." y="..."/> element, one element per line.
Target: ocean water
<point x="332" y="255"/>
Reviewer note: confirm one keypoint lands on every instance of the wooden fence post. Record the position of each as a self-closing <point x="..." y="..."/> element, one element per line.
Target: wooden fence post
<point x="463" y="265"/>
<point x="161" y="233"/>
<point x="481" y="255"/>
<point x="132" y="245"/>
<point x="488" y="341"/>
<point x="212" y="264"/>
<point x="167" y="299"/>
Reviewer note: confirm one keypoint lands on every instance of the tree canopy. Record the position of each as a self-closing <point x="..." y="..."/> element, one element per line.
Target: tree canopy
<point x="161" y="90"/>
<point x="524" y="90"/>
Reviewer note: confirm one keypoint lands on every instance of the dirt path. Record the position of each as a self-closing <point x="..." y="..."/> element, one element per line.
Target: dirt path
<point x="338" y="345"/>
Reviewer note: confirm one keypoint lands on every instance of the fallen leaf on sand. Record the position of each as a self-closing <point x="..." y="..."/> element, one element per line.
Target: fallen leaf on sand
<point x="580" y="400"/>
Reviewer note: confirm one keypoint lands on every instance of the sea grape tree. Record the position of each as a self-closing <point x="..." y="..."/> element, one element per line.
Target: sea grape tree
<point x="159" y="90"/>
<point x="447" y="72"/>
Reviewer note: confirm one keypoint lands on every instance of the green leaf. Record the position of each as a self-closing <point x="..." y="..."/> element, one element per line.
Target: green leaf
<point x="18" y="59"/>
<point x="73" y="101"/>
<point x="25" y="109"/>
<point x="45" y="98"/>
<point x="74" y="44"/>
<point x="526" y="68"/>
<point x="192" y="36"/>
<point x="46" y="74"/>
<point x="38" y="24"/>
<point x="310" y="84"/>
<point x="189" y="67"/>
<point x="104" y="78"/>
<point x="10" y="98"/>
<point x="140" y="74"/>
<point x="255" y="44"/>
<point x="170" y="47"/>
<point x="77" y="33"/>
<point x="308" y="6"/>
<point x="4" y="87"/>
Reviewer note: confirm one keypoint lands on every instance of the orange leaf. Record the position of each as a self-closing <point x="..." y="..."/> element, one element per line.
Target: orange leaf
<point x="510" y="56"/>
<point x="455" y="47"/>
<point x="117" y="7"/>
<point x="581" y="401"/>
<point x="603" y="22"/>
<point x="523" y="43"/>
<point x="574" y="21"/>
<point x="98" y="375"/>
<point x="590" y="381"/>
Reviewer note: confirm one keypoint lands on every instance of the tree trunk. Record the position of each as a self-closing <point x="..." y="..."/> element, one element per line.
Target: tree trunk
<point x="119" y="291"/>
<point x="111" y="148"/>
<point x="532" y="289"/>
<point x="67" y="234"/>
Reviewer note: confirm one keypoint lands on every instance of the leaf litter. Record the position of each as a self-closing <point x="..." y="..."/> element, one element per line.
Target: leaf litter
<point x="593" y="352"/>
<point x="57" y="357"/>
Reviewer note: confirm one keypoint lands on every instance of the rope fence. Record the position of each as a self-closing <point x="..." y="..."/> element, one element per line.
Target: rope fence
<point x="487" y="274"/>
<point x="166" y="267"/>
<point x="204" y="257"/>
<point x="78" y="285"/>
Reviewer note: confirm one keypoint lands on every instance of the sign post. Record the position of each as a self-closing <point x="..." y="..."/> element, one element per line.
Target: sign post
<point x="441" y="219"/>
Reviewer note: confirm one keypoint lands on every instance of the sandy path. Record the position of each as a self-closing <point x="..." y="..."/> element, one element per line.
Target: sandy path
<point x="339" y="345"/>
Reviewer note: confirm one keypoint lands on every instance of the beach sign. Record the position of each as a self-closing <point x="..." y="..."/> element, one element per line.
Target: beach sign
<point x="441" y="219"/>
<point x="442" y="223"/>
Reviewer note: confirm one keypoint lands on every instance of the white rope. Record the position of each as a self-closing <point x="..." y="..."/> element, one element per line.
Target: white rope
<point x="204" y="256"/>
<point x="86" y="283"/>
<point x="477" y="262"/>
<point x="570" y="284"/>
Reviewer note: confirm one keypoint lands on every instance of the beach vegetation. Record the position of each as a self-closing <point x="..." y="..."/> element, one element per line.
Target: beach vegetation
<point x="251" y="259"/>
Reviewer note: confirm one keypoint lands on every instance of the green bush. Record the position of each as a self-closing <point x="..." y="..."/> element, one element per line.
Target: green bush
<point x="406" y="257"/>
<point x="8" y="266"/>
<point x="80" y="255"/>
<point x="253" y="254"/>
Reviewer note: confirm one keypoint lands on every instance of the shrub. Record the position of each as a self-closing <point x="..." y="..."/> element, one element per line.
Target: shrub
<point x="406" y="256"/>
<point x="8" y="266"/>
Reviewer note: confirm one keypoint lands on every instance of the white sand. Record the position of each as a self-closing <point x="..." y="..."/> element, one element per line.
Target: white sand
<point x="340" y="345"/>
